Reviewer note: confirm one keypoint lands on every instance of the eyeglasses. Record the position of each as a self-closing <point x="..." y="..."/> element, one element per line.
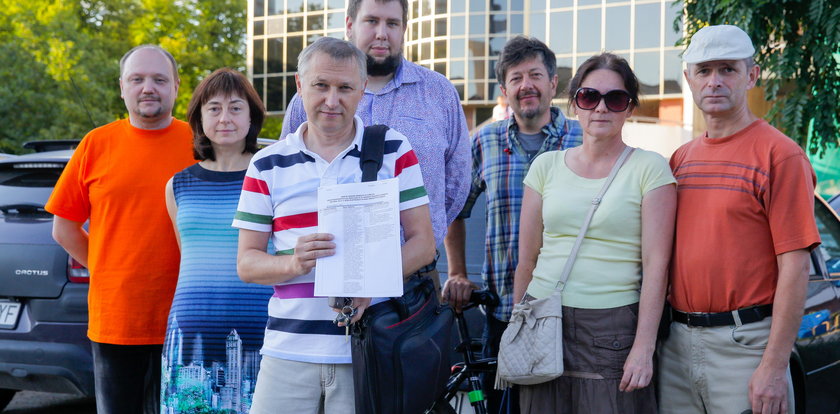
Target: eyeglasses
<point x="616" y="100"/>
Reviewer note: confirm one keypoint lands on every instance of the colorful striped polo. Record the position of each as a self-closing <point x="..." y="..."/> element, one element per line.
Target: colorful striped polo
<point x="279" y="195"/>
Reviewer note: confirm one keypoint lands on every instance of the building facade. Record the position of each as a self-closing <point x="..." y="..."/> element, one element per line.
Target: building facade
<point x="462" y="39"/>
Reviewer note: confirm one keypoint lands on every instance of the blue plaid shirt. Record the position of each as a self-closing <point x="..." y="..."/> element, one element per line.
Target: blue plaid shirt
<point x="498" y="169"/>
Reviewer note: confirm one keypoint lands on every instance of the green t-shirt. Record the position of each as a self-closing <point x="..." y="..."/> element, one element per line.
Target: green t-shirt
<point x="608" y="268"/>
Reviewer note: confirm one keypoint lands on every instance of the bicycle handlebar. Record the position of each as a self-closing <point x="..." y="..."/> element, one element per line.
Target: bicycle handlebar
<point x="483" y="297"/>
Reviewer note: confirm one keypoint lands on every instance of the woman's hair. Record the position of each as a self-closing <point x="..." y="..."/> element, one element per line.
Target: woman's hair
<point x="611" y="62"/>
<point x="226" y="82"/>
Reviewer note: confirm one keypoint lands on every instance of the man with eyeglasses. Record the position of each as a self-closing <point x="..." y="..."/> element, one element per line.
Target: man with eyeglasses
<point x="502" y="153"/>
<point x="306" y="362"/>
<point x="744" y="228"/>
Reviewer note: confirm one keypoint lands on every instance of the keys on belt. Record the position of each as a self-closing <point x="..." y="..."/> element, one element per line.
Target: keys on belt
<point x="736" y="317"/>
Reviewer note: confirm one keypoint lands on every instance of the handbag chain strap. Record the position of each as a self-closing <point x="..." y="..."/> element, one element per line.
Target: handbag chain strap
<point x="596" y="201"/>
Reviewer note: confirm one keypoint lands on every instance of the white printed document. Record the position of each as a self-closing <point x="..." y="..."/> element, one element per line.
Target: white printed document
<point x="365" y="220"/>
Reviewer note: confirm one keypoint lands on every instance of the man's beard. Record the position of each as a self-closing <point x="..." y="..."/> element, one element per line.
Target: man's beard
<point x="149" y="114"/>
<point x="384" y="68"/>
<point x="530" y="113"/>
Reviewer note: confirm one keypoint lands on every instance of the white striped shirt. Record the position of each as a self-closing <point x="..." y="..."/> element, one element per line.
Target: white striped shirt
<point x="279" y="195"/>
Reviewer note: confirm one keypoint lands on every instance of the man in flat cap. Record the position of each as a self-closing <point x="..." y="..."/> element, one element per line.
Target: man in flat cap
<point x="745" y="226"/>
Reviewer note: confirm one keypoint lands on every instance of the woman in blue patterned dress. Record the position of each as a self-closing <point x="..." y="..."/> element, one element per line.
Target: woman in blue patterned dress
<point x="217" y="322"/>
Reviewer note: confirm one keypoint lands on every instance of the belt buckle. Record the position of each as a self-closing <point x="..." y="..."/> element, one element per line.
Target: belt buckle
<point x="696" y="320"/>
<point x="688" y="317"/>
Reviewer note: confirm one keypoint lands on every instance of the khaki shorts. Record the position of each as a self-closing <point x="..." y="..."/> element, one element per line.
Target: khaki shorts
<point x="707" y="370"/>
<point x="285" y="386"/>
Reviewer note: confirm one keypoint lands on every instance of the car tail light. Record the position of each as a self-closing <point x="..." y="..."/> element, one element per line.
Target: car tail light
<point x="77" y="273"/>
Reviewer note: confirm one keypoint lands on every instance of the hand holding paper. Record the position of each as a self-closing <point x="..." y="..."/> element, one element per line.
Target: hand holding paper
<point x="364" y="219"/>
<point x="311" y="247"/>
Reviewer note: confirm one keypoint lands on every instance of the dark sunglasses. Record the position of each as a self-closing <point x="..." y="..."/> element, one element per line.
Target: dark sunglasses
<point x="616" y="100"/>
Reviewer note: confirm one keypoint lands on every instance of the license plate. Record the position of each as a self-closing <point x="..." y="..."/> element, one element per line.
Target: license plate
<point x="9" y="312"/>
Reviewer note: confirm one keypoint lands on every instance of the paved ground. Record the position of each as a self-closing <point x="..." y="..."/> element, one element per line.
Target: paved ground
<point x="30" y="402"/>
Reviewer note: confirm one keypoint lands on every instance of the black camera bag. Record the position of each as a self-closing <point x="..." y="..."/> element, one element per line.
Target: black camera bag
<point x="401" y="351"/>
<point x="400" y="347"/>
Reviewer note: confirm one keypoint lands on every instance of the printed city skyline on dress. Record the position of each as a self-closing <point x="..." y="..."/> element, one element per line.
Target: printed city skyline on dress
<point x="208" y="386"/>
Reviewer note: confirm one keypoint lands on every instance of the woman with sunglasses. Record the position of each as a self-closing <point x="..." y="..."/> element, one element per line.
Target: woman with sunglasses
<point x="613" y="297"/>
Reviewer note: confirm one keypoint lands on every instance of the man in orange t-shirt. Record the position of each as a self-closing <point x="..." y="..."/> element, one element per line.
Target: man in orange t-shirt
<point x="744" y="229"/>
<point x="116" y="180"/>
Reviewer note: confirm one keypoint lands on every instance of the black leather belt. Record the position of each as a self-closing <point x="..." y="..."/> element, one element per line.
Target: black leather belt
<point x="746" y="315"/>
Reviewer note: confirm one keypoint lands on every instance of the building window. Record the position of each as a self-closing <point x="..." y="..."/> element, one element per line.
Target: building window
<point x="561" y="32"/>
<point x="617" y="28"/>
<point x="589" y="31"/>
<point x="462" y="39"/>
<point x="646" y="66"/>
<point x="647" y="26"/>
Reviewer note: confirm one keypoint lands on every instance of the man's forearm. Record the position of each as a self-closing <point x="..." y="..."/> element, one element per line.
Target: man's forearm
<point x="419" y="248"/>
<point x="71" y="236"/>
<point x="788" y="304"/>
<point x="455" y="242"/>
<point x="255" y="266"/>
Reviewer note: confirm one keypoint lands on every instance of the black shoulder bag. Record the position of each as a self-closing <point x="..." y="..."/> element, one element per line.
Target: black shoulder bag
<point x="400" y="347"/>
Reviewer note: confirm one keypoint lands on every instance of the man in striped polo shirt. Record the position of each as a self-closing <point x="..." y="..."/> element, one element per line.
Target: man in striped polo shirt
<point x="412" y="99"/>
<point x="306" y="358"/>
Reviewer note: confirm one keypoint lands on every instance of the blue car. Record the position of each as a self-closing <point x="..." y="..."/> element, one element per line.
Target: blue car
<point x="815" y="363"/>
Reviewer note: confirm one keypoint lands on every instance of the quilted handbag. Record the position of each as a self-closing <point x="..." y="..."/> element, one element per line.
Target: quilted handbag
<point x="531" y="348"/>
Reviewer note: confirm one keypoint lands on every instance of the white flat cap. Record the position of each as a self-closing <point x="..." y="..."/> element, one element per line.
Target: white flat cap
<point x="722" y="42"/>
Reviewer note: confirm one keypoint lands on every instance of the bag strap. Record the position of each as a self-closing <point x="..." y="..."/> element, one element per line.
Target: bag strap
<point x="424" y="287"/>
<point x="596" y="201"/>
<point x="370" y="161"/>
<point x="373" y="148"/>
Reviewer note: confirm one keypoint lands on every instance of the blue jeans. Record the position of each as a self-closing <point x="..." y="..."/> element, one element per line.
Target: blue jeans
<point x="127" y="378"/>
<point x="497" y="402"/>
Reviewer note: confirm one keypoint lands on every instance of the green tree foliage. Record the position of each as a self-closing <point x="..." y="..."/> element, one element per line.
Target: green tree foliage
<point x="193" y="401"/>
<point x="59" y="60"/>
<point x="798" y="45"/>
<point x="272" y="126"/>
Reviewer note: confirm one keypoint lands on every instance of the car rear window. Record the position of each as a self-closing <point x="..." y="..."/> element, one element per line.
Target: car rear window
<point x="30" y="178"/>
<point x="28" y="183"/>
